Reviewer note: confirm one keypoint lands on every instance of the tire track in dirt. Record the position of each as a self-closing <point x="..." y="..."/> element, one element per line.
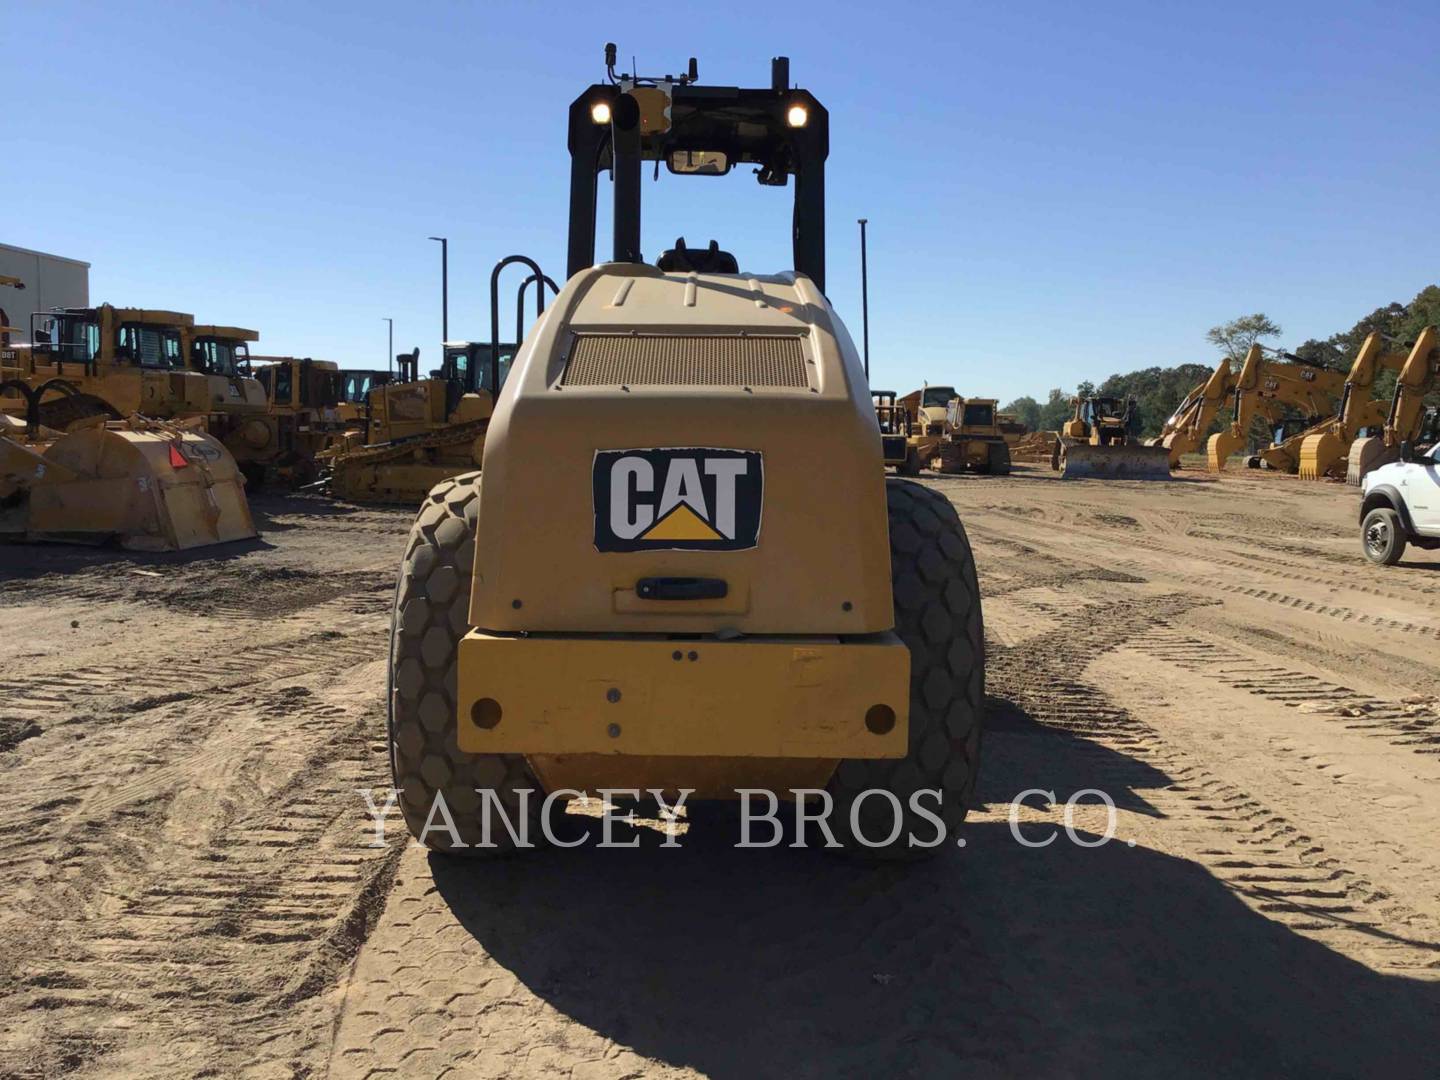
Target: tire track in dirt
<point x="1410" y="723"/>
<point x="174" y="908"/>
<point x="1276" y="867"/>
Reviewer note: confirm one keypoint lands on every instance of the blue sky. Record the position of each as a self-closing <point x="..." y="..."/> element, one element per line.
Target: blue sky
<point x="1055" y="191"/>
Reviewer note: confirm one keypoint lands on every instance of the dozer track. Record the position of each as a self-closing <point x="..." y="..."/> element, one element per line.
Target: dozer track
<point x="358" y="474"/>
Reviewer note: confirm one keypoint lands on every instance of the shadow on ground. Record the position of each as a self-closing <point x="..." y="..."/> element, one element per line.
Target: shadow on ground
<point x="993" y="959"/>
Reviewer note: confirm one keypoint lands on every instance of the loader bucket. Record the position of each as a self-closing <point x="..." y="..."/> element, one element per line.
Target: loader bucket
<point x="1321" y="455"/>
<point x="153" y="488"/>
<point x="1218" y="450"/>
<point x="1366" y="454"/>
<point x="1115" y="462"/>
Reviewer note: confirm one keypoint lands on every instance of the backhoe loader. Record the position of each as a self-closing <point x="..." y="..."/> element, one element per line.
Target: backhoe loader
<point x="1325" y="447"/>
<point x="1097" y="442"/>
<point x="1265" y="387"/>
<point x="646" y="588"/>
<point x="1403" y="420"/>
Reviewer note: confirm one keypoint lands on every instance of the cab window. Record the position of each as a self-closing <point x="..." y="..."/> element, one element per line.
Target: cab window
<point x="979" y="415"/>
<point x="937" y="397"/>
<point x="149" y="346"/>
<point x="283" y="385"/>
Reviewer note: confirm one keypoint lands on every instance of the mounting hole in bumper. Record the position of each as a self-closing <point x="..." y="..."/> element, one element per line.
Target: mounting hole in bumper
<point x="486" y="713"/>
<point x="880" y="719"/>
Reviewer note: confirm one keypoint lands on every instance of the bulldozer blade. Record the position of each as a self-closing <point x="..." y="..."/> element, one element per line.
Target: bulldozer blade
<point x="1115" y="462"/>
<point x="1366" y="454"/>
<point x="151" y="487"/>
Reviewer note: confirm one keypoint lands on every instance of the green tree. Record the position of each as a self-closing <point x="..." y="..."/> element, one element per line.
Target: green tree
<point x="1055" y="411"/>
<point x="1027" y="410"/>
<point x="1235" y="337"/>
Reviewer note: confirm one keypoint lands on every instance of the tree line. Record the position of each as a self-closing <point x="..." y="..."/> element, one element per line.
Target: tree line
<point x="1159" y="390"/>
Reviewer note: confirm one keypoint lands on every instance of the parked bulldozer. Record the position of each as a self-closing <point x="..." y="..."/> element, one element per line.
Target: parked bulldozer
<point x="646" y="587"/>
<point x="418" y="432"/>
<point x="302" y="421"/>
<point x="1404" y="420"/>
<point x="1269" y="386"/>
<point x="1098" y="442"/>
<point x="144" y="484"/>
<point x="1325" y="447"/>
<point x="972" y="439"/>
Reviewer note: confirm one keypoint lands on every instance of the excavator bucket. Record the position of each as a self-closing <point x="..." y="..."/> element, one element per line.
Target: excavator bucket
<point x="1322" y="455"/>
<point x="150" y="487"/>
<point x="1219" y="448"/>
<point x="1366" y="454"/>
<point x="1114" y="462"/>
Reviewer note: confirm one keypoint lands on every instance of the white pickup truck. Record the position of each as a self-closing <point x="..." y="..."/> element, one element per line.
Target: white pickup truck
<point x="1400" y="505"/>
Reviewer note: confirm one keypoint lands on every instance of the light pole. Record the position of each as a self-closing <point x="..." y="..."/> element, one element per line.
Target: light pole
<point x="390" y="355"/>
<point x="865" y="297"/>
<point x="444" y="289"/>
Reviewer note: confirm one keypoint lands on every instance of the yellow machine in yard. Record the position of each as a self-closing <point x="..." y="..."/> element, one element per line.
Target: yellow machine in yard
<point x="1097" y="442"/>
<point x="1325" y="447"/>
<point x="1267" y="387"/>
<point x="647" y="589"/>
<point x="973" y="440"/>
<point x="1185" y="430"/>
<point x="895" y="425"/>
<point x="417" y="432"/>
<point x="148" y="485"/>
<point x="1404" y="420"/>
<point x="302" y="421"/>
<point x="927" y="410"/>
<point x="116" y="362"/>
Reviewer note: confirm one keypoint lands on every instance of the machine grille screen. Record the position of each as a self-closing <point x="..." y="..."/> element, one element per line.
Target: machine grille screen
<point x="680" y="360"/>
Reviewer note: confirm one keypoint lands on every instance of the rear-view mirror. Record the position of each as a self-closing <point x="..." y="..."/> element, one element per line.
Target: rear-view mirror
<point x="698" y="162"/>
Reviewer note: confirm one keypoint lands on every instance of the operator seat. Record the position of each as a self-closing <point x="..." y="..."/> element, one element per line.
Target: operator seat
<point x="711" y="260"/>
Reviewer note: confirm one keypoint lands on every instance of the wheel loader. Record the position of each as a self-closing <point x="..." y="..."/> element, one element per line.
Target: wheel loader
<point x="1098" y="442"/>
<point x="646" y="588"/>
<point x="1271" y="386"/>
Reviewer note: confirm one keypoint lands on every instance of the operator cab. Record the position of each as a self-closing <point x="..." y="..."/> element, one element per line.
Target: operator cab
<point x="222" y="350"/>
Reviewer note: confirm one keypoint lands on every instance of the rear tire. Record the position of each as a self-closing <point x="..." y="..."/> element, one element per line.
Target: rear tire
<point x="1382" y="536"/>
<point x="432" y="605"/>
<point x="937" y="615"/>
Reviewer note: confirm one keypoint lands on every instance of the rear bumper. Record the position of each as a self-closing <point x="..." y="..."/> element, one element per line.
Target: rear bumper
<point x="770" y="697"/>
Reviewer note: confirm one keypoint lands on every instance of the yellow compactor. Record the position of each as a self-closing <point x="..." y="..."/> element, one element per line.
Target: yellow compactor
<point x="647" y="587"/>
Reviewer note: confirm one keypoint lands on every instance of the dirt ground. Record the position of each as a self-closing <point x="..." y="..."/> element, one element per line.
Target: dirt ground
<point x="189" y="890"/>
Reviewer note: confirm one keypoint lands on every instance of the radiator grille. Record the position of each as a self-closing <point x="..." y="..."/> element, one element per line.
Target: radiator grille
<point x="680" y="360"/>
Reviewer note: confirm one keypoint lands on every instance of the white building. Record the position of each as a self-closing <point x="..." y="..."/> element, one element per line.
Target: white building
<point x="50" y="281"/>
